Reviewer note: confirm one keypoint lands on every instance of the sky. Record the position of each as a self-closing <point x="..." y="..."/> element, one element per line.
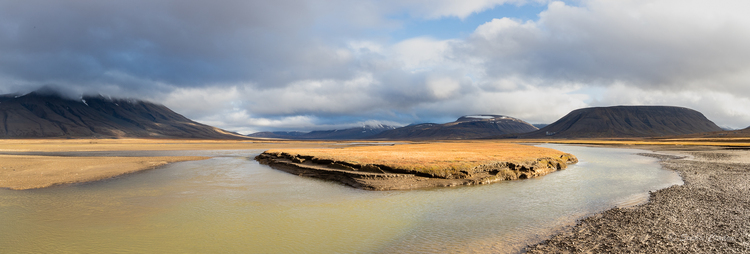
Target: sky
<point x="301" y="65"/>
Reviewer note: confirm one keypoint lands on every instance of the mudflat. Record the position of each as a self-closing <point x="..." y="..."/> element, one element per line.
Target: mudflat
<point x="710" y="213"/>
<point x="21" y="172"/>
<point x="81" y="145"/>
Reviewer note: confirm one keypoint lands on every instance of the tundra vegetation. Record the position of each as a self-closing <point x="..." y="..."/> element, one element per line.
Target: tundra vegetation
<point x="450" y="160"/>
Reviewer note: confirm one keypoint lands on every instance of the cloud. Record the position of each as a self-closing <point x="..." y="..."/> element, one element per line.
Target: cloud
<point x="267" y="65"/>
<point x="659" y="44"/>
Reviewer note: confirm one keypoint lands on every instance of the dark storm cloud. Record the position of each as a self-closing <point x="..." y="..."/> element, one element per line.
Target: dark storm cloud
<point x="177" y="42"/>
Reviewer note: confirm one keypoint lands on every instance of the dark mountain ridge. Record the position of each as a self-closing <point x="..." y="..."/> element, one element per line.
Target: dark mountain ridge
<point x="626" y="122"/>
<point x="46" y="114"/>
<point x="361" y="132"/>
<point x="466" y="127"/>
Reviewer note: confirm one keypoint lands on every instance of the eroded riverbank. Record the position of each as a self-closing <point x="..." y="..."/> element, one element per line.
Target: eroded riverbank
<point x="710" y="213"/>
<point x="417" y="166"/>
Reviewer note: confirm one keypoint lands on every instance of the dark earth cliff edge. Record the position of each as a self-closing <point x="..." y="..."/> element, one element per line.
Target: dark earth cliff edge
<point x="383" y="177"/>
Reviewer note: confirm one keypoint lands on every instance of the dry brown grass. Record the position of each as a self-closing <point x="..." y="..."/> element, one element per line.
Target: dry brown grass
<point x="76" y="145"/>
<point x="40" y="171"/>
<point x="729" y="142"/>
<point x="20" y="172"/>
<point x="431" y="157"/>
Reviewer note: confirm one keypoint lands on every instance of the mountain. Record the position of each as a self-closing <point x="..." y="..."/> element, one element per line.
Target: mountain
<point x="466" y="127"/>
<point x="44" y="114"/>
<point x="345" y="134"/>
<point x="626" y="122"/>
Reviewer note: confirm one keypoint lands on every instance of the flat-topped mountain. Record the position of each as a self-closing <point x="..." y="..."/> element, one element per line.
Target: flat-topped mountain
<point x="625" y="122"/>
<point x="343" y="134"/>
<point x="49" y="115"/>
<point x="466" y="127"/>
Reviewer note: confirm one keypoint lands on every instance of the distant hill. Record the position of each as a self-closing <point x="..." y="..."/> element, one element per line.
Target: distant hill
<point x="45" y="114"/>
<point x="344" y="134"/>
<point x="466" y="127"/>
<point x="737" y="135"/>
<point x="626" y="121"/>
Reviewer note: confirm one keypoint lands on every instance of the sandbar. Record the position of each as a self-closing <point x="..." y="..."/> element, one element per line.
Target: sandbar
<point x="23" y="172"/>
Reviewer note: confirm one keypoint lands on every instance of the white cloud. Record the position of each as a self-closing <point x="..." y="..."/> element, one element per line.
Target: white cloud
<point x="443" y="87"/>
<point x="421" y="54"/>
<point x="306" y="64"/>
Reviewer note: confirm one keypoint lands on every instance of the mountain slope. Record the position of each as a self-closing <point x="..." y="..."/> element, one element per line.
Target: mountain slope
<point x="626" y="121"/>
<point x="43" y="115"/>
<point x="466" y="127"/>
<point x="345" y="134"/>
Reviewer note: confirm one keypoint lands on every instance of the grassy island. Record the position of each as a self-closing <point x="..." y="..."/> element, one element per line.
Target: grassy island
<point x="410" y="166"/>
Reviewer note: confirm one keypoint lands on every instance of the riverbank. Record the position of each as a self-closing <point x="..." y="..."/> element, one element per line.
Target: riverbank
<point x="417" y="166"/>
<point x="710" y="213"/>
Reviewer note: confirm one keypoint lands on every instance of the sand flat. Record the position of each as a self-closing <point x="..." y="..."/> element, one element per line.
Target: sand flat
<point x="85" y="145"/>
<point x="21" y="172"/>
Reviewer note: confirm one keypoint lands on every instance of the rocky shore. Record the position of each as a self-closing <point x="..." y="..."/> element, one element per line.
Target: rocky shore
<point x="385" y="177"/>
<point x="710" y="213"/>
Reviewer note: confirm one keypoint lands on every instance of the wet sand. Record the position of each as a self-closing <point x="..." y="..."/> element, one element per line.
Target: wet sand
<point x="710" y="213"/>
<point x="36" y="163"/>
<point x="81" y="145"/>
<point x="22" y="172"/>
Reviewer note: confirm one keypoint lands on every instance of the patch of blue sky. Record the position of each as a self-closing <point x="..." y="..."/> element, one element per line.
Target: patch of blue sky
<point x="453" y="27"/>
<point x="596" y="94"/>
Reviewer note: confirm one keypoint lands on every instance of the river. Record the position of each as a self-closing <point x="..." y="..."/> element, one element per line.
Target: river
<point x="232" y="204"/>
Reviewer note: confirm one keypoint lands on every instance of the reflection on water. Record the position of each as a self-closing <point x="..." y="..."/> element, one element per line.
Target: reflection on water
<point x="231" y="204"/>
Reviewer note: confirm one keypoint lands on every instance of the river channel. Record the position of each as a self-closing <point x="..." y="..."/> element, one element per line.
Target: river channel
<point x="232" y="204"/>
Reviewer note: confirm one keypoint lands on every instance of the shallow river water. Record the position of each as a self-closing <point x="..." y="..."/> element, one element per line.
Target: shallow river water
<point x="232" y="204"/>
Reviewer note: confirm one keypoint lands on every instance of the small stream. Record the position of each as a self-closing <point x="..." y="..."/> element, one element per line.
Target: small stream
<point x="232" y="204"/>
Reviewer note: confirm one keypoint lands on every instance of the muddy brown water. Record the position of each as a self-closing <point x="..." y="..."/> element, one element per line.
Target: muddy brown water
<point x="232" y="204"/>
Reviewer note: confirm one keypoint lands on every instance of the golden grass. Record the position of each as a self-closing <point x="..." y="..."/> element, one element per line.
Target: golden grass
<point x="20" y="172"/>
<point x="431" y="157"/>
<point x="40" y="171"/>
<point x="78" y="145"/>
<point x="669" y="142"/>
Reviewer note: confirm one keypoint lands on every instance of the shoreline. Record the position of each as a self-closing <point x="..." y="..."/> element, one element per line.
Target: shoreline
<point x="708" y="213"/>
<point x="26" y="172"/>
